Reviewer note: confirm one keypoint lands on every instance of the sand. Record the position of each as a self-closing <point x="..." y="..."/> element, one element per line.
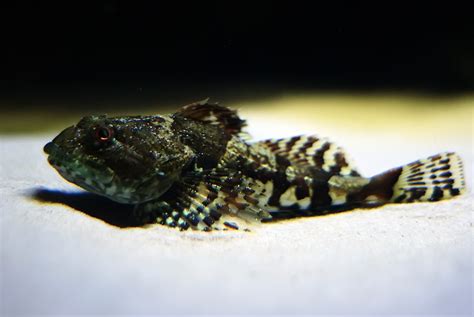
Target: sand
<point x="61" y="255"/>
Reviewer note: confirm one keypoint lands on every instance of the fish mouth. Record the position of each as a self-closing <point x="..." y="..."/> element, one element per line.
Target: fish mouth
<point x="54" y="154"/>
<point x="49" y="148"/>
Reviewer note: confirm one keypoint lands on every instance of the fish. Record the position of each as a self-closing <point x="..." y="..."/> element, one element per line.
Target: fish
<point x="197" y="168"/>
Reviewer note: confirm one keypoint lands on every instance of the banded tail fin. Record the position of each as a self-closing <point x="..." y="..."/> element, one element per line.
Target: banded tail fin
<point x="434" y="178"/>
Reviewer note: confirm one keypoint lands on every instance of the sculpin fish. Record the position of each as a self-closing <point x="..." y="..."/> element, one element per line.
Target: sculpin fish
<point x="196" y="169"/>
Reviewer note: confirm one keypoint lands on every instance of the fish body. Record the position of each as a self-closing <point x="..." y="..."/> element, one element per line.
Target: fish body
<point x="196" y="169"/>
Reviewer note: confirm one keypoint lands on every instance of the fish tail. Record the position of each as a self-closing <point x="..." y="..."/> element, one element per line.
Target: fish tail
<point x="431" y="179"/>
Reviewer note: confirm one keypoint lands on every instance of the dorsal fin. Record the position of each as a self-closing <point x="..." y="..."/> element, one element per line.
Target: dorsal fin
<point x="312" y="151"/>
<point x="213" y="113"/>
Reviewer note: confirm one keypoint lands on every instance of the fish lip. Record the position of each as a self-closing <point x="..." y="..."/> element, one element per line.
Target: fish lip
<point x="49" y="147"/>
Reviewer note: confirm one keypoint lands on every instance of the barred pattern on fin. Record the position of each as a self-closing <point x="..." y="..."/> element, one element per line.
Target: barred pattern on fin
<point x="216" y="202"/>
<point x="434" y="178"/>
<point x="215" y="114"/>
<point x="312" y="151"/>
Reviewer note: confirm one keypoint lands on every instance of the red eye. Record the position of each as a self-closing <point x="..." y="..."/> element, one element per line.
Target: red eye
<point x="104" y="134"/>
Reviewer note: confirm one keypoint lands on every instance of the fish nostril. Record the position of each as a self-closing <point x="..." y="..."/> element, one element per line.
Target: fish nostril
<point x="48" y="147"/>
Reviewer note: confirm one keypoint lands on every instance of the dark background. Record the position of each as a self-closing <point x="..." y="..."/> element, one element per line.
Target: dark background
<point x="83" y="52"/>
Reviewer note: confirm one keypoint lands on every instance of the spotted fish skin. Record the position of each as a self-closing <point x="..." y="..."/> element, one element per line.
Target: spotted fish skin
<point x="195" y="169"/>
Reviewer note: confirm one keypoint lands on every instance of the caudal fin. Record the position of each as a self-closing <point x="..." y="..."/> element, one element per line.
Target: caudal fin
<point x="434" y="178"/>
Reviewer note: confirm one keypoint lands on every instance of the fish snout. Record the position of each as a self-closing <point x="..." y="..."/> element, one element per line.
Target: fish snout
<point x="48" y="148"/>
<point x="61" y="139"/>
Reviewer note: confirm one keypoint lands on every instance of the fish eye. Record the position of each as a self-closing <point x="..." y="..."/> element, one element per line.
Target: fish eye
<point x="103" y="133"/>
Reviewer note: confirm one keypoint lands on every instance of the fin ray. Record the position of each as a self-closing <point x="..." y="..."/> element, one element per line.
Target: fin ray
<point x="216" y="201"/>
<point x="312" y="151"/>
<point x="213" y="113"/>
<point x="435" y="178"/>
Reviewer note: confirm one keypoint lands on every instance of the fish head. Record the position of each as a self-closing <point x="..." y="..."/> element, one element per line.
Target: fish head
<point x="127" y="159"/>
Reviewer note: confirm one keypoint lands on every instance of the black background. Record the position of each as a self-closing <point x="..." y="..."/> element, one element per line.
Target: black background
<point x="72" y="49"/>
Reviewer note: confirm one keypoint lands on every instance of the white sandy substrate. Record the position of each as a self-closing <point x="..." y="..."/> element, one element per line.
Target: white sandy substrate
<point x="397" y="259"/>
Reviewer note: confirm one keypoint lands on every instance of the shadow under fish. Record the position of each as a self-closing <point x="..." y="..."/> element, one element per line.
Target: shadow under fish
<point x="93" y="205"/>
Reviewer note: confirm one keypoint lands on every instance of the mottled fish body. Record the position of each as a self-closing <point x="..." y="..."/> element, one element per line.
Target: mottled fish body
<point x="195" y="169"/>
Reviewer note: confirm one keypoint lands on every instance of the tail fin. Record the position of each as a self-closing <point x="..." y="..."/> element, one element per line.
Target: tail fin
<point x="434" y="178"/>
